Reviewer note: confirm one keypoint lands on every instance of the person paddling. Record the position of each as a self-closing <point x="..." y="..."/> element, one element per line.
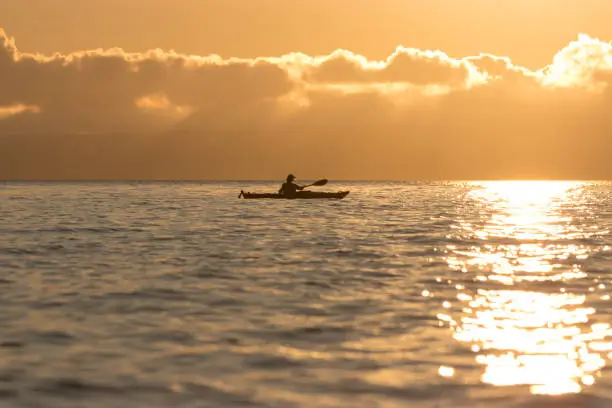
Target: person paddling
<point x="289" y="188"/>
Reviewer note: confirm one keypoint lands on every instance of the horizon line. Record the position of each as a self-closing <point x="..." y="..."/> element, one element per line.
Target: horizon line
<point x="304" y="179"/>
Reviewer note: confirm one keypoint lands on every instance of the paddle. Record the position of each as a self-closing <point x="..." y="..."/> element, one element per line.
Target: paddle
<point x="317" y="183"/>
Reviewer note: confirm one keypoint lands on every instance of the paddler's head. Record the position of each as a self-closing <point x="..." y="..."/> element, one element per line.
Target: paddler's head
<point x="290" y="178"/>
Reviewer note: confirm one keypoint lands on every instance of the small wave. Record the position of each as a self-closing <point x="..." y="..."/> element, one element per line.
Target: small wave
<point x="8" y="394"/>
<point x="54" y="247"/>
<point x="163" y="238"/>
<point x="564" y="401"/>
<point x="56" y="230"/>
<point x="21" y="251"/>
<point x="12" y="344"/>
<point x="65" y="386"/>
<point x="54" y="336"/>
<point x="152" y="293"/>
<point x="271" y="362"/>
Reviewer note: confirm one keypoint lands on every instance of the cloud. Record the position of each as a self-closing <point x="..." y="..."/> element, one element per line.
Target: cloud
<point x="415" y="114"/>
<point x="105" y="90"/>
<point x="7" y="111"/>
<point x="405" y="65"/>
<point x="580" y="64"/>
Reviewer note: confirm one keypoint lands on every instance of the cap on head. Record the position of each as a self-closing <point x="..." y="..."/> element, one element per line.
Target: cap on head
<point x="290" y="177"/>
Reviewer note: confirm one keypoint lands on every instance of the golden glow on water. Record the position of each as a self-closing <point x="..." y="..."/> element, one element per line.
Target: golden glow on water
<point x="524" y="324"/>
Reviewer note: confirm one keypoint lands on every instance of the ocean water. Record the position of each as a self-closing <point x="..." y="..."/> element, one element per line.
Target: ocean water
<point x="465" y="294"/>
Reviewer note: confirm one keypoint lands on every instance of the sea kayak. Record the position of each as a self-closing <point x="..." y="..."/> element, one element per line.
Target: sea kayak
<point x="300" y="195"/>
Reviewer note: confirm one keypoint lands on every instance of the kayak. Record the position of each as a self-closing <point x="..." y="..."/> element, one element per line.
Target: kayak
<point x="300" y="195"/>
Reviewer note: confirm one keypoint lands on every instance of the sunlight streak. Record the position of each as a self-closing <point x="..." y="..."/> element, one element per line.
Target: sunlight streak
<point x="525" y="333"/>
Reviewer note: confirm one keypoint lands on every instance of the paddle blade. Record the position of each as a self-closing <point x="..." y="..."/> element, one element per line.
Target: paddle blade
<point x="320" y="183"/>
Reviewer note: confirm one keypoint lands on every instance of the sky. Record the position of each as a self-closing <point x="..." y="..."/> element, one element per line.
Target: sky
<point x="361" y="89"/>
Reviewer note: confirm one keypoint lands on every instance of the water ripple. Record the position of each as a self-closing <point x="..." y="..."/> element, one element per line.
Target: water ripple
<point x="403" y="294"/>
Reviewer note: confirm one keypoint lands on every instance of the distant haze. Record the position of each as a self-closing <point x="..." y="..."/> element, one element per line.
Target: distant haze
<point x="442" y="98"/>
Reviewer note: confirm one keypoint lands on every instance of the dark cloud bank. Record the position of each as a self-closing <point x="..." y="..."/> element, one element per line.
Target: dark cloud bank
<point x="107" y="114"/>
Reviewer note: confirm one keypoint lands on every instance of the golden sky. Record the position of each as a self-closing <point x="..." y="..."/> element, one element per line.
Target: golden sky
<point x="528" y="31"/>
<point x="390" y="89"/>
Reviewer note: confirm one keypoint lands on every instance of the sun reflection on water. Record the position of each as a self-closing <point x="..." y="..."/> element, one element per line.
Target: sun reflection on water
<point x="525" y="314"/>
